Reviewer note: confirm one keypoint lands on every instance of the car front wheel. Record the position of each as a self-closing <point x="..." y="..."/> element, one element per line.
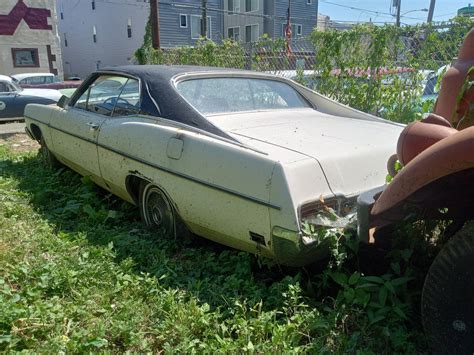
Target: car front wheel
<point x="156" y="210"/>
<point x="448" y="295"/>
<point x="48" y="158"/>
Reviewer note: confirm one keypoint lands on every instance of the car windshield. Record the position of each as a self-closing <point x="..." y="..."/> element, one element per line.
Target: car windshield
<point x="234" y="94"/>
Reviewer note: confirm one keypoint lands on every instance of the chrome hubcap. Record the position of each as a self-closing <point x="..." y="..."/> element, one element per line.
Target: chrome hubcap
<point x="158" y="212"/>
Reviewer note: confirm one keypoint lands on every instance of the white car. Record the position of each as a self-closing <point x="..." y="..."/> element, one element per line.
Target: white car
<point x="239" y="157"/>
<point x="35" y="78"/>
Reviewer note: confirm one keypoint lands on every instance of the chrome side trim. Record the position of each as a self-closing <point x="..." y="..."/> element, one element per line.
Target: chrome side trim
<point x="167" y="170"/>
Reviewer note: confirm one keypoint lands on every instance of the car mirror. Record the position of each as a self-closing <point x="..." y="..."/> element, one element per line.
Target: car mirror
<point x="63" y="101"/>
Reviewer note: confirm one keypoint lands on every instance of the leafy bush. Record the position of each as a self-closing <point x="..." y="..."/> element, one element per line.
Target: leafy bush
<point x="366" y="55"/>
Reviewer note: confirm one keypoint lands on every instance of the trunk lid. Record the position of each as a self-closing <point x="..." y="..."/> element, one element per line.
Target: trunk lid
<point x="353" y="153"/>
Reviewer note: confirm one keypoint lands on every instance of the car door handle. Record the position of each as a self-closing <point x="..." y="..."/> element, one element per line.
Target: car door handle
<point x="93" y="126"/>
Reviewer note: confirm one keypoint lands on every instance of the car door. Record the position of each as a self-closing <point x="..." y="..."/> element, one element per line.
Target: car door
<point x="76" y="128"/>
<point x="117" y="135"/>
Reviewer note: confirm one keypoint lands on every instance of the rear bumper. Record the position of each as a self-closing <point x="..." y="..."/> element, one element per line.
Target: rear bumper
<point x="292" y="249"/>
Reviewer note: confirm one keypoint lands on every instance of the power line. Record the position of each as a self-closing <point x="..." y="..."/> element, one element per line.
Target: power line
<point x="366" y="10"/>
<point x="451" y="13"/>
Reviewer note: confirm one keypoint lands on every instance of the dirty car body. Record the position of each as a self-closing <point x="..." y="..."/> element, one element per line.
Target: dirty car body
<point x="242" y="157"/>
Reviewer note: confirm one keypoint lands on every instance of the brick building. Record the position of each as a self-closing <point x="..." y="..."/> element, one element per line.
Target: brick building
<point x="29" y="40"/>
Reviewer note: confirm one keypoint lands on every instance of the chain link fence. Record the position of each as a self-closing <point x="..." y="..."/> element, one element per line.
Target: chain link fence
<point x="388" y="71"/>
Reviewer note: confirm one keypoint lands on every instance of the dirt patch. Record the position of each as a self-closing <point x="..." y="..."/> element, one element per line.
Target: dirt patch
<point x="19" y="142"/>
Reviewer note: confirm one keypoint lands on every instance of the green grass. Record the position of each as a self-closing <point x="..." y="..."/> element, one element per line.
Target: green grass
<point x="78" y="273"/>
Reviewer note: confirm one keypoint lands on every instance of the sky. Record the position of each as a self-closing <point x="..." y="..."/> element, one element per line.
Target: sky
<point x="379" y="10"/>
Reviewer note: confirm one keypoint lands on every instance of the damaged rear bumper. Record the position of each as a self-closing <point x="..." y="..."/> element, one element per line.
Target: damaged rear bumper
<point x="293" y="249"/>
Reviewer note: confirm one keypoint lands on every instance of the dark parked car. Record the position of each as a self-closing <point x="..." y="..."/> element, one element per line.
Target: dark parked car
<point x="13" y="98"/>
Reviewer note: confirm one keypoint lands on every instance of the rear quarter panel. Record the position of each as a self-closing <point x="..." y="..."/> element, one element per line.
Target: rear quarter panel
<point x="221" y="190"/>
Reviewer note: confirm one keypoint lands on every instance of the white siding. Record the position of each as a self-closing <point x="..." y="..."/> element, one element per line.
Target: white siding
<point x="110" y="19"/>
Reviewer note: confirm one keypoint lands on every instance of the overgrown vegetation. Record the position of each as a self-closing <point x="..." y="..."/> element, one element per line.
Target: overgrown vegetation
<point x="377" y="69"/>
<point x="78" y="272"/>
<point x="383" y="68"/>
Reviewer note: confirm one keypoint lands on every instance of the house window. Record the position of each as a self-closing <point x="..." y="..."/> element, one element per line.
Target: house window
<point x="94" y="34"/>
<point x="183" y="21"/>
<point x="196" y="27"/>
<point x="296" y="30"/>
<point x="25" y="57"/>
<point x="251" y="33"/>
<point x="93" y="4"/>
<point x="129" y="28"/>
<point x="233" y="6"/>
<point x="251" y="5"/>
<point x="65" y="40"/>
<point x="233" y="33"/>
<point x="299" y="30"/>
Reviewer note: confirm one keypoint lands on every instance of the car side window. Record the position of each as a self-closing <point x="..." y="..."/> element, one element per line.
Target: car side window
<point x="4" y="87"/>
<point x="102" y="95"/>
<point x="34" y="80"/>
<point x="128" y="103"/>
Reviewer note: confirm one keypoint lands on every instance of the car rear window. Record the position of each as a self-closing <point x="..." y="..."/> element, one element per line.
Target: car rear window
<point x="233" y="94"/>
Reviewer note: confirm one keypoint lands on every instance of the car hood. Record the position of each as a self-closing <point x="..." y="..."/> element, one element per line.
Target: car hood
<point x="46" y="93"/>
<point x="353" y="153"/>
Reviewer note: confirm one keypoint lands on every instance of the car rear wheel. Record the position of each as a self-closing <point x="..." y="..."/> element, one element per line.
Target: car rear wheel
<point x="156" y="210"/>
<point x="448" y="296"/>
<point x="47" y="157"/>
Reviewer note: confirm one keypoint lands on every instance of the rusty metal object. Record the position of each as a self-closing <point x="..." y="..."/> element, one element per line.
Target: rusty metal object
<point x="448" y="156"/>
<point x="453" y="80"/>
<point x="418" y="136"/>
<point x="447" y="198"/>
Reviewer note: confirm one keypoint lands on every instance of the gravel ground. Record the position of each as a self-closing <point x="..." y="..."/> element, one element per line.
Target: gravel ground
<point x="18" y="142"/>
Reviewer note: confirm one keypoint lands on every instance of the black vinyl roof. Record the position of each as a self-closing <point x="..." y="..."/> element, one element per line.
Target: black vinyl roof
<point x="160" y="98"/>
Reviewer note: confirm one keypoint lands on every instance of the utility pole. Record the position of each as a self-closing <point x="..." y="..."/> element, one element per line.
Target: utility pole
<point x="317" y="8"/>
<point x="399" y="5"/>
<point x="431" y="11"/>
<point x="204" y="19"/>
<point x="155" y="24"/>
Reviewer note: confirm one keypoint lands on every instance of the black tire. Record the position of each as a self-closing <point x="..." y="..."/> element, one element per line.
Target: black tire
<point x="47" y="157"/>
<point x="156" y="210"/>
<point x="447" y="303"/>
